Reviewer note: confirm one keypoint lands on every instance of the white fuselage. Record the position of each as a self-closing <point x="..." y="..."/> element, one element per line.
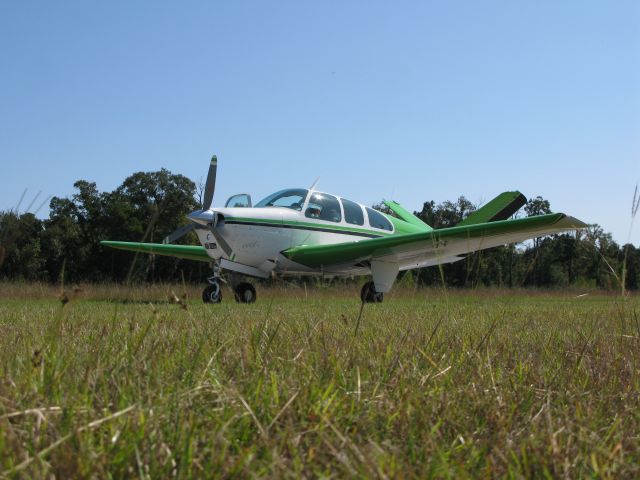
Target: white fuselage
<point x="254" y="237"/>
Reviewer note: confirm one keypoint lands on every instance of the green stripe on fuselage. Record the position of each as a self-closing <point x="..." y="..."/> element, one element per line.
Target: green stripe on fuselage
<point x="308" y="225"/>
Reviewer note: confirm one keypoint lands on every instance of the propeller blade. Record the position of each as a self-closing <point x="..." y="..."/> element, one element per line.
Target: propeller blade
<point x="210" y="186"/>
<point x="180" y="232"/>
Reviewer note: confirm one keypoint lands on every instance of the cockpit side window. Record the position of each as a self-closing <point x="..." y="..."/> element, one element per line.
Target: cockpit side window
<point x="377" y="220"/>
<point x="241" y="200"/>
<point x="352" y="212"/>
<point x="323" y="207"/>
<point x="291" y="198"/>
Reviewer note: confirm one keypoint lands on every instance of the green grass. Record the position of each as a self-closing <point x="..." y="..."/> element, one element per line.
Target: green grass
<point x="121" y="382"/>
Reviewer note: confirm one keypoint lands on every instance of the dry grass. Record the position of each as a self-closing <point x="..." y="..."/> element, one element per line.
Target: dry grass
<point x="119" y="381"/>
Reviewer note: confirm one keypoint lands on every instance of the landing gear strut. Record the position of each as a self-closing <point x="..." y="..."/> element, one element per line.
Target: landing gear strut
<point x="243" y="292"/>
<point x="212" y="293"/>
<point x="368" y="294"/>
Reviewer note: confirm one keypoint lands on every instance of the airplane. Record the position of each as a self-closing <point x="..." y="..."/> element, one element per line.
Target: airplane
<point x="297" y="231"/>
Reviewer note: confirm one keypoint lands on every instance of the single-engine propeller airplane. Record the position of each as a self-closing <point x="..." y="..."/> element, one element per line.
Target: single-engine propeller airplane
<point x="301" y="231"/>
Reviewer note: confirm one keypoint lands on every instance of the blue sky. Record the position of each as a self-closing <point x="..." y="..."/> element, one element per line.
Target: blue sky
<point x="406" y="100"/>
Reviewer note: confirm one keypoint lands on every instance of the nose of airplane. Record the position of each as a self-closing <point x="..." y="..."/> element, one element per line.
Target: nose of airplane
<point x="202" y="217"/>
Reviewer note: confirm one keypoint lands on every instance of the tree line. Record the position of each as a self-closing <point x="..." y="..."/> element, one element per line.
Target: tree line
<point x="150" y="205"/>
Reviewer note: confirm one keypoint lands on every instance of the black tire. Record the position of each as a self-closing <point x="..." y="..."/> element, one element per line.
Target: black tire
<point x="368" y="294"/>
<point x="212" y="293"/>
<point x="245" y="293"/>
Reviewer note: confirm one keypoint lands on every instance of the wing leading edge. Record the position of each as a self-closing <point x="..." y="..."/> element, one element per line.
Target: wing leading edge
<point x="188" y="252"/>
<point x="429" y="247"/>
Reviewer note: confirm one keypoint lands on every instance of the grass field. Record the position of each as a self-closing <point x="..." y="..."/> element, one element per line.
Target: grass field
<point x="121" y="381"/>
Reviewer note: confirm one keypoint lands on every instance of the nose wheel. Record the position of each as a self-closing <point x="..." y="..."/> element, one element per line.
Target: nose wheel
<point x="243" y="292"/>
<point x="212" y="293"/>
<point x="368" y="294"/>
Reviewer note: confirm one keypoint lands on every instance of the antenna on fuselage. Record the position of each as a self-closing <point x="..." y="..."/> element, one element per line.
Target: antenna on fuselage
<point x="313" y="185"/>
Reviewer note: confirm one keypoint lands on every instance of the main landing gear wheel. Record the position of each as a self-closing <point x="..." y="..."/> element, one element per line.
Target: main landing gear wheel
<point x="245" y="293"/>
<point x="212" y="293"/>
<point x="368" y="294"/>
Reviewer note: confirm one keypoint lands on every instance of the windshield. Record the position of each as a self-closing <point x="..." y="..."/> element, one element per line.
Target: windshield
<point x="291" y="198"/>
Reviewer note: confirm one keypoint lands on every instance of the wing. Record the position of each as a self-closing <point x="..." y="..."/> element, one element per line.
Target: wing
<point x="433" y="247"/>
<point x="188" y="252"/>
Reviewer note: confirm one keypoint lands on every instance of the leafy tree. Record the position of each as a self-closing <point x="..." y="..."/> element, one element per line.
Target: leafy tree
<point x="629" y="256"/>
<point x="20" y="256"/>
<point x="445" y="214"/>
<point x="146" y="207"/>
<point x="537" y="206"/>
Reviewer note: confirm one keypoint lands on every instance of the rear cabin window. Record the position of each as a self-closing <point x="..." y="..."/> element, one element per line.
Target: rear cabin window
<point x="378" y="220"/>
<point x="323" y="207"/>
<point x="352" y="212"/>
